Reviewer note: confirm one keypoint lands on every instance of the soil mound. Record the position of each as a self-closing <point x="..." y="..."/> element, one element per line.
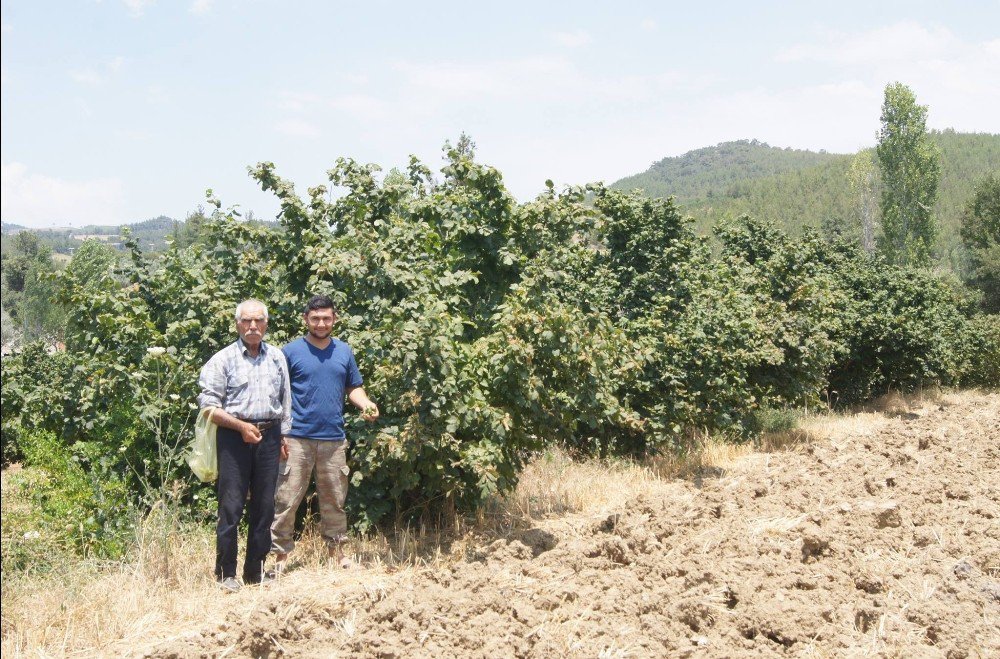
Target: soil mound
<point x="885" y="541"/>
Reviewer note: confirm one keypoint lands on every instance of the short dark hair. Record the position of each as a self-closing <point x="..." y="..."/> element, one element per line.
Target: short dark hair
<point x="319" y="302"/>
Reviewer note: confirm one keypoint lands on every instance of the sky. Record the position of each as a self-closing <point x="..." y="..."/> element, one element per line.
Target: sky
<point x="118" y="111"/>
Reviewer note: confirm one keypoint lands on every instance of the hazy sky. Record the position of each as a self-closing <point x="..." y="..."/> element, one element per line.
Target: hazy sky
<point x="118" y="111"/>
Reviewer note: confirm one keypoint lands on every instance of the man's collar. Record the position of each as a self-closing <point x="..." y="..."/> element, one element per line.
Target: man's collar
<point x="244" y="350"/>
<point x="331" y="343"/>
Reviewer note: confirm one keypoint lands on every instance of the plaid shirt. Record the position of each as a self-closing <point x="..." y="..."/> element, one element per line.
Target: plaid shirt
<point x="249" y="388"/>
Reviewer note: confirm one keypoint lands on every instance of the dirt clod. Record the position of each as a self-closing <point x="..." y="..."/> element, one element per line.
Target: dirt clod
<point x="889" y="517"/>
<point x="963" y="570"/>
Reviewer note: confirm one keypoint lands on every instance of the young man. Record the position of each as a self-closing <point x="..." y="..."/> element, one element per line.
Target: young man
<point x="323" y="372"/>
<point x="246" y="386"/>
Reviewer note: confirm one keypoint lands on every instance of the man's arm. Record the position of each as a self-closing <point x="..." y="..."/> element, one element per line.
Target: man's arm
<point x="286" y="395"/>
<point x="286" y="406"/>
<point x="360" y="400"/>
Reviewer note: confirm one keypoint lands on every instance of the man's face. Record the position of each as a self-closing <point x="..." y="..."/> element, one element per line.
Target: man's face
<point x="252" y="325"/>
<point x="320" y="322"/>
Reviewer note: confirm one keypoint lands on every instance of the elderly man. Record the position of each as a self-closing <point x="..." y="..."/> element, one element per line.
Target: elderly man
<point x="246" y="386"/>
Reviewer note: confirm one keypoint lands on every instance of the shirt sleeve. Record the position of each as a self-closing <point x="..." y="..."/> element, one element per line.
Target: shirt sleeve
<point x="353" y="374"/>
<point x="286" y="395"/>
<point x="213" y="383"/>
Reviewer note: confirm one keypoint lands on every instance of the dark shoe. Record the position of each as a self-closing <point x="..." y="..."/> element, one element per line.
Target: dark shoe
<point x="265" y="579"/>
<point x="230" y="585"/>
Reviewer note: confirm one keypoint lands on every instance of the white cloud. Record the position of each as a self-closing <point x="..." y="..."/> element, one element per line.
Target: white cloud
<point x="361" y="106"/>
<point x="573" y="39"/>
<point x="133" y="134"/>
<point x="298" y="102"/>
<point x="201" y="7"/>
<point x="955" y="78"/>
<point x="38" y="200"/>
<point x="308" y="107"/>
<point x="86" y="77"/>
<point x="649" y="25"/>
<point x="904" y="41"/>
<point x="137" y="7"/>
<point x="298" y="128"/>
<point x="531" y="82"/>
<point x="500" y="78"/>
<point x="83" y="107"/>
<point x="94" y="76"/>
<point x="356" y="78"/>
<point x="157" y="95"/>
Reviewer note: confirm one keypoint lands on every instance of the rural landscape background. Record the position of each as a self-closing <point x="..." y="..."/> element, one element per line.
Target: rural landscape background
<point x="743" y="400"/>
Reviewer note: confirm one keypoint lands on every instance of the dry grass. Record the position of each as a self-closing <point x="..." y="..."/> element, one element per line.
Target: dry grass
<point x="86" y="609"/>
<point x="555" y="484"/>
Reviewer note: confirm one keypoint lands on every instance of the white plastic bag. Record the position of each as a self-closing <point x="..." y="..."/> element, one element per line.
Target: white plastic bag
<point x="202" y="459"/>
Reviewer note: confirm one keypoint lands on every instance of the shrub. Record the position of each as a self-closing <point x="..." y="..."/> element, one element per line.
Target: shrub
<point x="903" y="328"/>
<point x="76" y="497"/>
<point x="981" y="347"/>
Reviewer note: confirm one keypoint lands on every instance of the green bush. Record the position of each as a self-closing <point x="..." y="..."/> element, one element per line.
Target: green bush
<point x="982" y="349"/>
<point x="76" y="498"/>
<point x="903" y="328"/>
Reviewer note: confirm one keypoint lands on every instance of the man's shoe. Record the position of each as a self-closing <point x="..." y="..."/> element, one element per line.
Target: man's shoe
<point x="337" y="554"/>
<point x="230" y="585"/>
<point x="265" y="579"/>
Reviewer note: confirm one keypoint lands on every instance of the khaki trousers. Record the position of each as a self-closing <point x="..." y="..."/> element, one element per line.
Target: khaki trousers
<point x="329" y="460"/>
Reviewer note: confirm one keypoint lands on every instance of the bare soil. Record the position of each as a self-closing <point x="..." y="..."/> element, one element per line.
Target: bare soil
<point x="884" y="541"/>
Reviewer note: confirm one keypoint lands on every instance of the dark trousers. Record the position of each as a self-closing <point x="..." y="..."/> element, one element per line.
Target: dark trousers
<point x="245" y="468"/>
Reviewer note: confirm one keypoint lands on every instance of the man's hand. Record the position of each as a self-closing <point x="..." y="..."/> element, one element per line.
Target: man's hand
<point x="251" y="435"/>
<point x="284" y="448"/>
<point x="370" y="412"/>
<point x="360" y="400"/>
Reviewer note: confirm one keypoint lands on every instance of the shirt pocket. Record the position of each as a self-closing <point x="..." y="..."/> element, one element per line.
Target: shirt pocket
<point x="237" y="386"/>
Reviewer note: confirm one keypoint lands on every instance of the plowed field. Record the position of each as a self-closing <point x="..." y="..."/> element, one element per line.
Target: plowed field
<point x="881" y="540"/>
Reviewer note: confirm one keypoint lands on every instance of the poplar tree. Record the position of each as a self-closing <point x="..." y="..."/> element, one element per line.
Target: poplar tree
<point x="863" y="177"/>
<point x="911" y="169"/>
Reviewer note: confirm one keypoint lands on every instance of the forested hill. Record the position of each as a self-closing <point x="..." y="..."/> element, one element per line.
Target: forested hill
<point x="722" y="170"/>
<point x="802" y="188"/>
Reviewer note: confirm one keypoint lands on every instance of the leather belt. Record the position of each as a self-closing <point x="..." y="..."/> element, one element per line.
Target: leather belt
<point x="265" y="424"/>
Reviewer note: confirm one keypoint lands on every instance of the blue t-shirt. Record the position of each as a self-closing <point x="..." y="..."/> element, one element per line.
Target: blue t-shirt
<point x="319" y="380"/>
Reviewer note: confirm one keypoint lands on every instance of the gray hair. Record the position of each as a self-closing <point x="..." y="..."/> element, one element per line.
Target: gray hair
<point x="241" y="307"/>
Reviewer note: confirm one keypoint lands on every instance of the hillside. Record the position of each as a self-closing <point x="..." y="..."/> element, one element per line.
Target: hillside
<point x="800" y="189"/>
<point x="151" y="234"/>
<point x="721" y="171"/>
